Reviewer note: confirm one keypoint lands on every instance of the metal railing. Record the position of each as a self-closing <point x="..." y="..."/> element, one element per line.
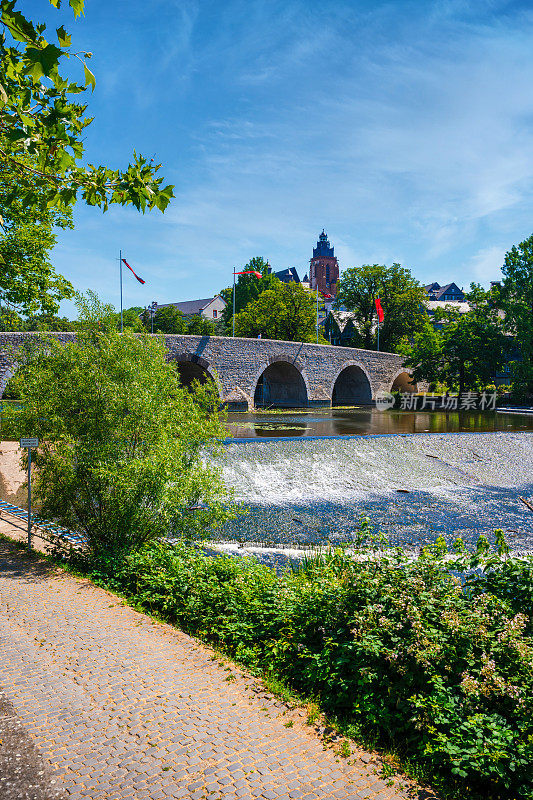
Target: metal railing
<point x="55" y="531"/>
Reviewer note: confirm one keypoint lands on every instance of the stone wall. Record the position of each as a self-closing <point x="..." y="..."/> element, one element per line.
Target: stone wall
<point x="238" y="364"/>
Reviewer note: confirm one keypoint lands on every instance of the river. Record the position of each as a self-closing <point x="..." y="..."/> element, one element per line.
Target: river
<point x="300" y="492"/>
<point x="369" y="421"/>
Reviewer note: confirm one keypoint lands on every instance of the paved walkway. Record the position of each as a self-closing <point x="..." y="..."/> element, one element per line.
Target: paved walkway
<point x="120" y="706"/>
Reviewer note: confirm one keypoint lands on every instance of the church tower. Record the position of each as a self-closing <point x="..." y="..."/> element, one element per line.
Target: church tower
<point x="324" y="271"/>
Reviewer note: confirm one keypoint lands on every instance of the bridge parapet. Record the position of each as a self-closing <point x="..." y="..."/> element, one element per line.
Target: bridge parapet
<point x="262" y="371"/>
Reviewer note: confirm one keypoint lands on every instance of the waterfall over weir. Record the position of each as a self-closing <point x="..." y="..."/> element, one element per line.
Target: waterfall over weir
<point x="412" y="487"/>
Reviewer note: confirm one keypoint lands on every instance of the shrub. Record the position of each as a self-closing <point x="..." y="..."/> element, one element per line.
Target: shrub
<point x="121" y="448"/>
<point x="402" y="650"/>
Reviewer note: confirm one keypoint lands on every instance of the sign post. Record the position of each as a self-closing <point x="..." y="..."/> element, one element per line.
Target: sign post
<point x="29" y="443"/>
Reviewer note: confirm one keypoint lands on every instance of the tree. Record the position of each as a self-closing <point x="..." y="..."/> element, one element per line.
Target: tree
<point x="516" y="298"/>
<point x="468" y="350"/>
<point x="247" y="288"/>
<point x="130" y="318"/>
<point x="28" y="281"/>
<point x="198" y="326"/>
<point x="424" y="354"/>
<point x="401" y="296"/>
<point x="42" y="126"/>
<point x="48" y="322"/>
<point x="122" y="443"/>
<point x="169" y="320"/>
<point x="286" y="312"/>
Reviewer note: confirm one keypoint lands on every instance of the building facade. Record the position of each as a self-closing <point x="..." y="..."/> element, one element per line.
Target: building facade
<point x="210" y="308"/>
<point x="324" y="267"/>
<point x="449" y="293"/>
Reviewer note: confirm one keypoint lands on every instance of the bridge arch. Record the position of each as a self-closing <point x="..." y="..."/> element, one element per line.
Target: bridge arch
<point x="281" y="382"/>
<point x="192" y="367"/>
<point x="403" y="382"/>
<point x="351" y="385"/>
<point x="6" y="376"/>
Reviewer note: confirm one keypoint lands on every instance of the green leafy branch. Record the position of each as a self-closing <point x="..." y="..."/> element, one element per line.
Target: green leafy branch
<point x="39" y="119"/>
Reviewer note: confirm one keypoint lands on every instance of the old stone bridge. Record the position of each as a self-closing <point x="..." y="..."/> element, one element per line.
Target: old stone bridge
<point x="264" y="372"/>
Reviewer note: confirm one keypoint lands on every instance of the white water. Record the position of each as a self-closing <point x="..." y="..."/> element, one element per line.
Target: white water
<point x="343" y="470"/>
<point x="413" y="488"/>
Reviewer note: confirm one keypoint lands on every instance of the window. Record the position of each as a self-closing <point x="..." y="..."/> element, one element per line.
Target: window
<point x="215" y="312"/>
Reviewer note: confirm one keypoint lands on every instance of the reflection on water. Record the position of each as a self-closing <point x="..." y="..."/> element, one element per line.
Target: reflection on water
<point x="370" y="421"/>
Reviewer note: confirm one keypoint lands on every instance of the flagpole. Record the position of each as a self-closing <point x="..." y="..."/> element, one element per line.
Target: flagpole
<point x="317" y="312"/>
<point x="378" y="334"/>
<point x="233" y="302"/>
<point x="121" y="317"/>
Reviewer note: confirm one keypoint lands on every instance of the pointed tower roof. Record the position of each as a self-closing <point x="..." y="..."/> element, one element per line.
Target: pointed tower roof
<point x="323" y="248"/>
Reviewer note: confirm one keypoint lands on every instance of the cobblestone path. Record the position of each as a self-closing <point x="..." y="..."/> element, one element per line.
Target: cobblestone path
<point x="120" y="706"/>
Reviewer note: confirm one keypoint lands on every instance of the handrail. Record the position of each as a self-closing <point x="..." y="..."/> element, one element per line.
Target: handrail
<point x="45" y="525"/>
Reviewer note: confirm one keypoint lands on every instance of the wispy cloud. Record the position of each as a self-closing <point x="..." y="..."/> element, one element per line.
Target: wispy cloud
<point x="402" y="127"/>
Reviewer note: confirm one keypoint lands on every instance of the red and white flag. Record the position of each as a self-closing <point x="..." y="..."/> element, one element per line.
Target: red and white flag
<point x="130" y="269"/>
<point x="379" y="309"/>
<point x="249" y="272"/>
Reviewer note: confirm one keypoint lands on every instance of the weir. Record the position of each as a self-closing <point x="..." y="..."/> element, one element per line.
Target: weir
<point x="413" y="488"/>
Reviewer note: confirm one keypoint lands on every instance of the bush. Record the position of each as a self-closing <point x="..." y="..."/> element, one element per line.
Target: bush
<point x="402" y="650"/>
<point x="122" y="442"/>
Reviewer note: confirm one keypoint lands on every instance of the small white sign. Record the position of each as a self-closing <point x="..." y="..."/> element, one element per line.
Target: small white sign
<point x="29" y="442"/>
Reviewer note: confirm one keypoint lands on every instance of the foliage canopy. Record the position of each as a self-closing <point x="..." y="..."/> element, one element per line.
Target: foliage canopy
<point x="28" y="281"/>
<point x="401" y="297"/>
<point x="247" y="288"/>
<point x="469" y="348"/>
<point x="287" y="311"/>
<point x="517" y="303"/>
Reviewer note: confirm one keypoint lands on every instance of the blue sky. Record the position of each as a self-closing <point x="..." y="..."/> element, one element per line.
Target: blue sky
<point x="403" y="128"/>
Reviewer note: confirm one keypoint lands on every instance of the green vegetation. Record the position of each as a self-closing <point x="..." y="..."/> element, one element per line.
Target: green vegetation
<point x="170" y="320"/>
<point x="247" y="288"/>
<point x="42" y="128"/>
<point x="121" y="441"/>
<point x="517" y="302"/>
<point x="399" y="652"/>
<point x="42" y="132"/>
<point x="287" y="311"/>
<point x="28" y="280"/>
<point x="136" y="319"/>
<point x="467" y="351"/>
<point x="401" y="296"/>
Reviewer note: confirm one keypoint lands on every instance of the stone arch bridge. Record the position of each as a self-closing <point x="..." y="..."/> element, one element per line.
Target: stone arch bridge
<point x="264" y="372"/>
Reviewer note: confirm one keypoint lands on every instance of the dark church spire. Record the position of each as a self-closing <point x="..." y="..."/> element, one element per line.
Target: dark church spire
<point x="324" y="267"/>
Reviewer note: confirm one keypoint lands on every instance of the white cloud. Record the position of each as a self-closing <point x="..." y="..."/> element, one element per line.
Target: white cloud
<point x="403" y="128"/>
<point x="486" y="265"/>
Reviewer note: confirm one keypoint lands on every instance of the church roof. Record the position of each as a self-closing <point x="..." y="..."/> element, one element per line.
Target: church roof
<point x="288" y="275"/>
